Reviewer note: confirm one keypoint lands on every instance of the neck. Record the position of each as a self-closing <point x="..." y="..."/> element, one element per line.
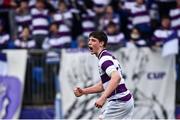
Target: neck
<point x="99" y="52"/>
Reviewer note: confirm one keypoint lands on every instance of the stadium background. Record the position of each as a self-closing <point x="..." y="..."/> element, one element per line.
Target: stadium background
<point x="32" y="44"/>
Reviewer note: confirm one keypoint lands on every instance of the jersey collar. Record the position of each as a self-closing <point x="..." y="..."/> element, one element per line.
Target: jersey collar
<point x="100" y="54"/>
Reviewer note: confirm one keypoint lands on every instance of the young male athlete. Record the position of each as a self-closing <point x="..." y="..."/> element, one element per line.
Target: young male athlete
<point x="120" y="101"/>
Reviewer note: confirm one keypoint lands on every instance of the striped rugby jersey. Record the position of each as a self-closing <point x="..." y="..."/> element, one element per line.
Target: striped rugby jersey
<point x="107" y="64"/>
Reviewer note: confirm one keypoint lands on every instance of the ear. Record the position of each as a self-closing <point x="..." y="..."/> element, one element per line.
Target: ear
<point x="101" y="43"/>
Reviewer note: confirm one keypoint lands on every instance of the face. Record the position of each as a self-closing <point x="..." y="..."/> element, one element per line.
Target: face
<point x="109" y="10"/>
<point x="25" y="33"/>
<point x="81" y="43"/>
<point x="62" y="7"/>
<point x="165" y="23"/>
<point x="95" y="46"/>
<point x="111" y="29"/>
<point x="139" y="2"/>
<point x="54" y="28"/>
<point x="135" y="34"/>
<point x="40" y="5"/>
<point x="24" y="5"/>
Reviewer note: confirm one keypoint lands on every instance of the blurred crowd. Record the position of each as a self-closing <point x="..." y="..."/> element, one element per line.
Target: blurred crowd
<point x="49" y="24"/>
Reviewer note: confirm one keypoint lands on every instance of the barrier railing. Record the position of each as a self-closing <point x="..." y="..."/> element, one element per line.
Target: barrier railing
<point x="41" y="72"/>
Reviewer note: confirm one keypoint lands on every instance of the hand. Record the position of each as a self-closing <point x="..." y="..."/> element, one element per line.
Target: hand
<point x="100" y="102"/>
<point x="78" y="92"/>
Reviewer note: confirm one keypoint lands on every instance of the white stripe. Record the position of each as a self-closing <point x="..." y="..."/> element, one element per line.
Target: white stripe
<point x="141" y="19"/>
<point x="103" y="2"/>
<point x="129" y="5"/>
<point x="86" y="34"/>
<point x="88" y="24"/>
<point x="104" y="58"/>
<point x="23" y="18"/>
<point x="17" y="42"/>
<point x="90" y="13"/>
<point x="36" y="32"/>
<point x="115" y="38"/>
<point x="39" y="22"/>
<point x="4" y="38"/>
<point x="35" y="11"/>
<point x="110" y="69"/>
<point x="4" y="68"/>
<point x="64" y="28"/>
<point x="31" y="44"/>
<point x="59" y="16"/>
<point x="174" y="12"/>
<point x="162" y="33"/>
<point x="59" y="41"/>
<point x="170" y="47"/>
<point x="175" y="22"/>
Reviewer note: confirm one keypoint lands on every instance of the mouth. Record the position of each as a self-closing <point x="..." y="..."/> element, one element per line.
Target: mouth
<point x="90" y="48"/>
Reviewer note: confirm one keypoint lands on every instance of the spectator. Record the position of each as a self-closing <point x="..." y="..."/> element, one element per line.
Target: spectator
<point x="175" y="25"/>
<point x="100" y="5"/>
<point x="109" y="15"/>
<point x="88" y="20"/>
<point x="175" y="18"/>
<point x="32" y="4"/>
<point x="4" y="37"/>
<point x="82" y="42"/>
<point x="136" y="39"/>
<point x="141" y="18"/>
<point x="63" y="18"/>
<point x="163" y="33"/>
<point x="127" y="6"/>
<point x="40" y="22"/>
<point x="54" y="3"/>
<point x="116" y="39"/>
<point x="25" y="41"/>
<point x="23" y="16"/>
<point x="55" y="39"/>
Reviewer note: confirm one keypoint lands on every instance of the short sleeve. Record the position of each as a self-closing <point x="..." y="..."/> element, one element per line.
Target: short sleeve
<point x="107" y="65"/>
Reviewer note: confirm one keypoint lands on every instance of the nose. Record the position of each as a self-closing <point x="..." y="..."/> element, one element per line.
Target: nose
<point x="89" y="42"/>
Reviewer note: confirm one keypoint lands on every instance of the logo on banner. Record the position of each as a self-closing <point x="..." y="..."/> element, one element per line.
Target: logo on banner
<point x="156" y="75"/>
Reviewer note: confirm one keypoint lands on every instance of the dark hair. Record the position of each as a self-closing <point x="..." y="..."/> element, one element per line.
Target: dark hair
<point x="165" y="17"/>
<point x="100" y="35"/>
<point x="111" y="23"/>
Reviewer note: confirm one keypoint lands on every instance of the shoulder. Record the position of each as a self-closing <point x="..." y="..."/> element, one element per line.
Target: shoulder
<point x="106" y="57"/>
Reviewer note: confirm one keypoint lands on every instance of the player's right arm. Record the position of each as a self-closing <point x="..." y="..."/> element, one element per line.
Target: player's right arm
<point x="97" y="88"/>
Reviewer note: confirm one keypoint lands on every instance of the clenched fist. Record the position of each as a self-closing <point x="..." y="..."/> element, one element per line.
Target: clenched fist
<point x="78" y="92"/>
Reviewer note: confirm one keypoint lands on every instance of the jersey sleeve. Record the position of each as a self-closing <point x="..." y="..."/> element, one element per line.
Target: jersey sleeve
<point x="107" y="65"/>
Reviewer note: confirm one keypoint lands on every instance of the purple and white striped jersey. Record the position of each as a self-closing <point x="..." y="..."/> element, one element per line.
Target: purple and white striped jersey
<point x="140" y="15"/>
<point x="4" y="37"/>
<point x="115" y="38"/>
<point x="88" y="22"/>
<point x="23" y="20"/>
<point x="160" y="35"/>
<point x="64" y="20"/>
<point x="40" y="23"/>
<point x="29" y="43"/>
<point x="107" y="64"/>
<point x="175" y="19"/>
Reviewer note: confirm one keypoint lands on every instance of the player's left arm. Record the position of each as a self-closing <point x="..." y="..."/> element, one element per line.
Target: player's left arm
<point x="111" y="69"/>
<point x="113" y="83"/>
